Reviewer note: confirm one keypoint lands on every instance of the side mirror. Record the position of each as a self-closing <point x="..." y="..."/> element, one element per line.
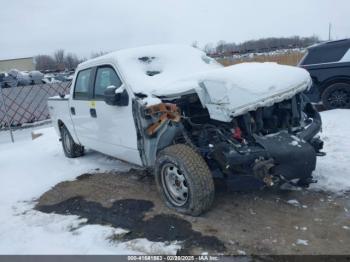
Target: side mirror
<point x="116" y="96"/>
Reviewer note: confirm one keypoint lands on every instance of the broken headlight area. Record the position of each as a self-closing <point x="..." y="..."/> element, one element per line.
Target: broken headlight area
<point x="266" y="147"/>
<point x="161" y="114"/>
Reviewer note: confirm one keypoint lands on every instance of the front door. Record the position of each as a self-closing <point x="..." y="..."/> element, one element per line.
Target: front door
<point x="115" y="126"/>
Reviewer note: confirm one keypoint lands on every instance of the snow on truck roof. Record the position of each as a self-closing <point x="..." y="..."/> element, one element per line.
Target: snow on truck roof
<point x="150" y="67"/>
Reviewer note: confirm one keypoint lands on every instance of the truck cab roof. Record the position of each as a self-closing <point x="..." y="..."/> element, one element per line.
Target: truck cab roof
<point x="149" y="67"/>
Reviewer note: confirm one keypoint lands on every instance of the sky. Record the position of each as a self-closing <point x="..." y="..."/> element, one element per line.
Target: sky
<point x="36" y="27"/>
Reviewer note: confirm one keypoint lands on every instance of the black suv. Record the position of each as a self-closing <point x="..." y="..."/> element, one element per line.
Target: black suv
<point x="329" y="66"/>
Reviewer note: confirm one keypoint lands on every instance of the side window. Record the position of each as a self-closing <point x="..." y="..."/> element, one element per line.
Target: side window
<point x="81" y="89"/>
<point x="346" y="57"/>
<point x="322" y="55"/>
<point x="105" y="76"/>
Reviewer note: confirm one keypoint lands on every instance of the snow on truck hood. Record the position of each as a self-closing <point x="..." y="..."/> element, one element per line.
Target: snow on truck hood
<point x="172" y="70"/>
<point x="234" y="90"/>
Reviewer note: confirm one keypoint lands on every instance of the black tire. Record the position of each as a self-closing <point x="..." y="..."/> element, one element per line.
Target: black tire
<point x="70" y="148"/>
<point x="197" y="179"/>
<point x="336" y="96"/>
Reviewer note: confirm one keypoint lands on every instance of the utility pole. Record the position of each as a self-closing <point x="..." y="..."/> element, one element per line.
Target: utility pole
<point x="329" y="31"/>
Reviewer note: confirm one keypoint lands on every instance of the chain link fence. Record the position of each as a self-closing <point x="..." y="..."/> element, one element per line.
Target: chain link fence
<point x="23" y="106"/>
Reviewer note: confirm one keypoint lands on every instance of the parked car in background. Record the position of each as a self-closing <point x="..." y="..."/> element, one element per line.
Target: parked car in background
<point x="50" y="79"/>
<point x="70" y="77"/>
<point x="16" y="77"/>
<point x="329" y="66"/>
<point x="35" y="77"/>
<point x="19" y="77"/>
<point x="64" y="76"/>
<point x="2" y="77"/>
<point x="10" y="80"/>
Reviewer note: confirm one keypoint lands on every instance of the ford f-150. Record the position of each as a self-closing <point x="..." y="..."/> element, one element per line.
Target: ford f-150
<point x="175" y="111"/>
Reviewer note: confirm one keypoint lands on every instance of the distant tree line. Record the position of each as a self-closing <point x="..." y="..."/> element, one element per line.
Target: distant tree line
<point x="260" y="45"/>
<point x="61" y="61"/>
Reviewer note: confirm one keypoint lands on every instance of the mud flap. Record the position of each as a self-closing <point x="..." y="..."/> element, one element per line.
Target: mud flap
<point x="293" y="157"/>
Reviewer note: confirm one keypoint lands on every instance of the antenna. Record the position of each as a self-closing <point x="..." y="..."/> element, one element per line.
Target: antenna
<point x="329" y="31"/>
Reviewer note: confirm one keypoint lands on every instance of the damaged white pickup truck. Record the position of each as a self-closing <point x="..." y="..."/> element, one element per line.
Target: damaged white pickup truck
<point x="175" y="111"/>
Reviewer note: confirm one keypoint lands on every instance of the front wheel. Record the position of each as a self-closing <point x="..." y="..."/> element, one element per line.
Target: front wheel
<point x="70" y="148"/>
<point x="336" y="96"/>
<point x="184" y="180"/>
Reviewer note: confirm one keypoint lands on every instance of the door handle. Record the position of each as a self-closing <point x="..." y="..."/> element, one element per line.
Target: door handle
<point x="72" y="110"/>
<point x="93" y="112"/>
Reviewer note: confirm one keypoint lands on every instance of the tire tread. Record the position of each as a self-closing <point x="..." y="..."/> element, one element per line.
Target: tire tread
<point x="202" y="178"/>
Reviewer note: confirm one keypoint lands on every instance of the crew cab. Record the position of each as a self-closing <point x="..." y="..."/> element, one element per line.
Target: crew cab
<point x="329" y="66"/>
<point x="175" y="111"/>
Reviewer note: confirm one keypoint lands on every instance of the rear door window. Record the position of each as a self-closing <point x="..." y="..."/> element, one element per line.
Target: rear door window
<point x="324" y="55"/>
<point x="82" y="85"/>
<point x="346" y="57"/>
<point x="105" y="76"/>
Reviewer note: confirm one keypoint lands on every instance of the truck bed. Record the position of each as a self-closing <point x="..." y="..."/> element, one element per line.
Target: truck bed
<point x="60" y="113"/>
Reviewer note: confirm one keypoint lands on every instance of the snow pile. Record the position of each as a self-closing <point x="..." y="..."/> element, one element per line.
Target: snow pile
<point x="28" y="169"/>
<point x="302" y="242"/>
<point x="333" y="170"/>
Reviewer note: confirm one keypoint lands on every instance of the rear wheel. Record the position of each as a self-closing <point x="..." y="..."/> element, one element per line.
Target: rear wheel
<point x="70" y="148"/>
<point x="336" y="96"/>
<point x="184" y="180"/>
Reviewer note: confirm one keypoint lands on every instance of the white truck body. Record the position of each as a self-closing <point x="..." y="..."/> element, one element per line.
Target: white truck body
<point x="176" y="111"/>
<point x="225" y="92"/>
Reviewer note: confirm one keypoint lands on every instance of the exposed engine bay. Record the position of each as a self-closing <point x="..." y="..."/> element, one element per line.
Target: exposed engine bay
<point x="266" y="147"/>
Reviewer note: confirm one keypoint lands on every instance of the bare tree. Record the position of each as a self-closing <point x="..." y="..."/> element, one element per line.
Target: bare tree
<point x="265" y="44"/>
<point x="220" y="47"/>
<point x="44" y="62"/>
<point x="209" y="49"/>
<point x="195" y="44"/>
<point x="71" y="61"/>
<point x="97" y="54"/>
<point x="59" y="59"/>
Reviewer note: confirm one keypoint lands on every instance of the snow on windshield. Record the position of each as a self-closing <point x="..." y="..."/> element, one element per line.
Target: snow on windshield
<point x="150" y="68"/>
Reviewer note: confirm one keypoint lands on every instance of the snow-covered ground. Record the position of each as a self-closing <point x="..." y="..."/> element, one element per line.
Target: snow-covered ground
<point x="28" y="168"/>
<point x="20" y="134"/>
<point x="333" y="170"/>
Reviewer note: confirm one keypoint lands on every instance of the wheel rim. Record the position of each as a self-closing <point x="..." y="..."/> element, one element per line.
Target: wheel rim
<point x="175" y="184"/>
<point x="67" y="142"/>
<point x="339" y="98"/>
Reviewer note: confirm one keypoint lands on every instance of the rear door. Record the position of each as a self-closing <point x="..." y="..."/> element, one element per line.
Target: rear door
<point x="80" y="107"/>
<point x="115" y="126"/>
